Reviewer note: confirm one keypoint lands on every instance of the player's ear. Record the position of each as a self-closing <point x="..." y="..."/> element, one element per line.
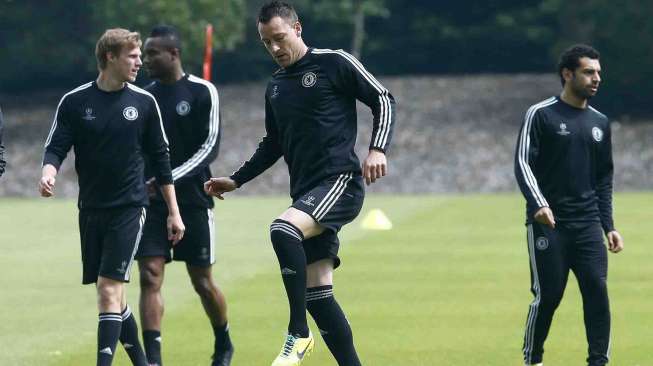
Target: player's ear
<point x="110" y="57"/>
<point x="567" y="74"/>
<point x="298" y="29"/>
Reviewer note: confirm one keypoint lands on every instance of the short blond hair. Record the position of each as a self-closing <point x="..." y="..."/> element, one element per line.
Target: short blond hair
<point x="114" y="40"/>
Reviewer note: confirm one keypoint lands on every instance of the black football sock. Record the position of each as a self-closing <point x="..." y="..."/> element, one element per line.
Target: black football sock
<point x="108" y="331"/>
<point x="333" y="324"/>
<point x="152" y="341"/>
<point x="222" y="340"/>
<point x="287" y="243"/>
<point x="129" y="338"/>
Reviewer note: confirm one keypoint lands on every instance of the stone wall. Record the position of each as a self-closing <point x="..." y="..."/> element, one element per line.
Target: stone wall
<point x="453" y="134"/>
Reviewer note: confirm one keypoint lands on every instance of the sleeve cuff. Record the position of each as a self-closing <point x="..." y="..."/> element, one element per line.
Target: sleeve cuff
<point x="235" y="179"/>
<point x="52" y="160"/>
<point x="608" y="228"/>
<point x="377" y="149"/>
<point x="163" y="180"/>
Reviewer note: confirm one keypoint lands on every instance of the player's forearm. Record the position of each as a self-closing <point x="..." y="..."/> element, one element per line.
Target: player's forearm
<point x="54" y="157"/>
<point x="265" y="156"/>
<point x="384" y="123"/>
<point x="170" y="198"/>
<point x="197" y="163"/>
<point x="605" y="207"/>
<point x="161" y="168"/>
<point x="250" y="170"/>
<point x="49" y="170"/>
<point x="604" y="187"/>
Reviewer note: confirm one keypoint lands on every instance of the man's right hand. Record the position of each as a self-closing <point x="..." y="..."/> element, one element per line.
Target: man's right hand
<point x="46" y="186"/>
<point x="218" y="186"/>
<point x="545" y="217"/>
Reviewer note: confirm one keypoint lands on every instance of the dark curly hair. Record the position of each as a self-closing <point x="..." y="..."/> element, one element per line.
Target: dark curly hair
<point x="570" y="58"/>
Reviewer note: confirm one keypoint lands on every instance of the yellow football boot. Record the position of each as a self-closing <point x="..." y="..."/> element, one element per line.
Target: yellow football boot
<point x="294" y="350"/>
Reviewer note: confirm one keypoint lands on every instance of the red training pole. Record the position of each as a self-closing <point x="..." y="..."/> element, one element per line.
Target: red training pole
<point x="208" y="53"/>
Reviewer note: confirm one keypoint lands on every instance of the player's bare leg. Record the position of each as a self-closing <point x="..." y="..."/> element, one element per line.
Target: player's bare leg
<point x="215" y="306"/>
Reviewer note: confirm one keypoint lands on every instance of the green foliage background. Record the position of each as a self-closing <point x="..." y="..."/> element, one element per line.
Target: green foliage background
<point x="45" y="45"/>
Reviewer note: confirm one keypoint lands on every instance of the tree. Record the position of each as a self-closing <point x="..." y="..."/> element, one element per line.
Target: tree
<point x="189" y="17"/>
<point x="349" y="13"/>
<point x="623" y="32"/>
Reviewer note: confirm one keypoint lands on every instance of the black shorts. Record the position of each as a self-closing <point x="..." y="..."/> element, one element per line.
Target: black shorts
<point x="332" y="204"/>
<point x="109" y="239"/>
<point x="196" y="248"/>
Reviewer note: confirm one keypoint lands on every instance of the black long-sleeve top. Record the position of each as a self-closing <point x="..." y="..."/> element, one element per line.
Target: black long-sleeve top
<point x="310" y="119"/>
<point x="190" y="110"/>
<point x="110" y="133"/>
<point x="563" y="161"/>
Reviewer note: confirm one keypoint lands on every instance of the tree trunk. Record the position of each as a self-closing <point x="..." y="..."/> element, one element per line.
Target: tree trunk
<point x="359" y="29"/>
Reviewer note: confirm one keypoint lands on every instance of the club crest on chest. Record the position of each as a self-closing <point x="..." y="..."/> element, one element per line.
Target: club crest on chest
<point x="597" y="134"/>
<point x="309" y="79"/>
<point x="130" y="113"/>
<point x="183" y="108"/>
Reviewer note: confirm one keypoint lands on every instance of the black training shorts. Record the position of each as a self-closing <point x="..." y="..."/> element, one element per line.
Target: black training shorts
<point x="109" y="240"/>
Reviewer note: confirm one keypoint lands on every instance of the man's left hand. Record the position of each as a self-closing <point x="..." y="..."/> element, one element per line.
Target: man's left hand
<point x="375" y="166"/>
<point x="615" y="241"/>
<point x="175" y="228"/>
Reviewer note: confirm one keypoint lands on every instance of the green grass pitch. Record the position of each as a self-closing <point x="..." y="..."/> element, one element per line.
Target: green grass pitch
<point x="449" y="285"/>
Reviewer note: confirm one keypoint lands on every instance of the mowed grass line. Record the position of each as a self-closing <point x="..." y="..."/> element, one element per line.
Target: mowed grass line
<point x="447" y="286"/>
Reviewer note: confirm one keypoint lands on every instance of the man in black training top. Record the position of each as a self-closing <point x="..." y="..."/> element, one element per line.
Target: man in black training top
<point x="563" y="165"/>
<point x="112" y="125"/>
<point x="191" y="118"/>
<point x="310" y="120"/>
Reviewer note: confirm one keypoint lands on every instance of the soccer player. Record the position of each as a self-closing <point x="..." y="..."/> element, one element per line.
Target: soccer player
<point x="310" y="120"/>
<point x="3" y="163"/>
<point x="563" y="166"/>
<point x="112" y="125"/>
<point x="191" y="119"/>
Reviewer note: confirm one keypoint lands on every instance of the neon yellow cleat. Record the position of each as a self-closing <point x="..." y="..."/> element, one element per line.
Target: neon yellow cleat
<point x="294" y="350"/>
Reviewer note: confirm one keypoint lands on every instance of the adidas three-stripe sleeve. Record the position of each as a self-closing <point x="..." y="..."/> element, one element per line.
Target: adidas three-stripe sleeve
<point x="526" y="154"/>
<point x="351" y="77"/>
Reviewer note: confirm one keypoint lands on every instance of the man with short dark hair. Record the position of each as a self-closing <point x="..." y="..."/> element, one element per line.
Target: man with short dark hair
<point x="191" y="119"/>
<point x="563" y="165"/>
<point x="310" y="120"/>
<point x="112" y="125"/>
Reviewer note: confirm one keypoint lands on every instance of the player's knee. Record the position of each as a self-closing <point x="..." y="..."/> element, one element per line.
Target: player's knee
<point x="596" y="286"/>
<point x="109" y="295"/>
<point x="203" y="285"/>
<point x="151" y="278"/>
<point x="550" y="299"/>
<point x="281" y="231"/>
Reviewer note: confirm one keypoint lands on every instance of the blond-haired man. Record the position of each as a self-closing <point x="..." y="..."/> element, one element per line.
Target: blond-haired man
<point x="112" y="126"/>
